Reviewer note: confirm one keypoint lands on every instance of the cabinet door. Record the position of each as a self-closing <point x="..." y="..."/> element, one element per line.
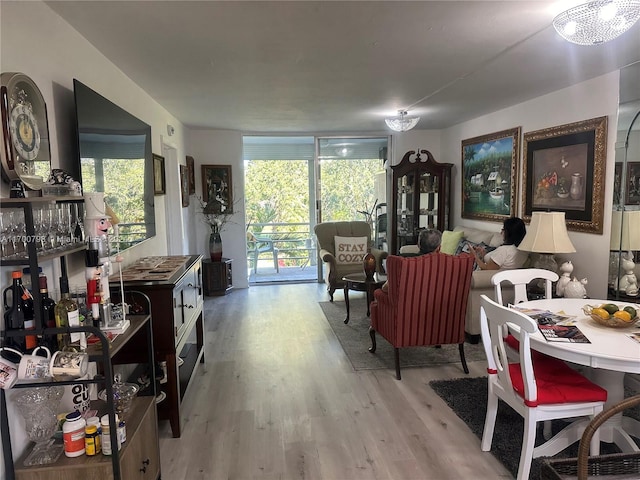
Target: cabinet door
<point x="178" y="317"/>
<point x="141" y="460"/>
<point x="405" y="209"/>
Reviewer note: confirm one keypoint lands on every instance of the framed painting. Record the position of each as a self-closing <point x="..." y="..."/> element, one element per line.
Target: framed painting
<point x="632" y="195"/>
<point x="489" y="175"/>
<point x="563" y="170"/>
<point x="191" y="174"/>
<point x="217" y="186"/>
<point x="184" y="185"/>
<point x="159" y="187"/>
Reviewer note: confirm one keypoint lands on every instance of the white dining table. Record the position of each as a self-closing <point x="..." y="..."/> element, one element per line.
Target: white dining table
<point x="610" y="356"/>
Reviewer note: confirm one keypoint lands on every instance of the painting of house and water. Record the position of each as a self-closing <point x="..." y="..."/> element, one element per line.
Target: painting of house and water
<point x="489" y="173"/>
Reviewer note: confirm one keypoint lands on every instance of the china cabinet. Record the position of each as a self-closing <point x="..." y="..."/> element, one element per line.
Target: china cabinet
<point x="421" y="197"/>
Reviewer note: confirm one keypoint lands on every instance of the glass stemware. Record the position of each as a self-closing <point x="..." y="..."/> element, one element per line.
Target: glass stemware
<point x="4" y="232"/>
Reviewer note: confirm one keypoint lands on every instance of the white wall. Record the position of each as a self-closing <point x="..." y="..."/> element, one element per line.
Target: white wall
<point x="35" y="41"/>
<point x="220" y="147"/>
<point x="594" y="98"/>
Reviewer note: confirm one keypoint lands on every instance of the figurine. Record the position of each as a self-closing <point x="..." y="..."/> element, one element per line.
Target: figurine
<point x="576" y="289"/>
<point x="628" y="282"/>
<point x="566" y="268"/>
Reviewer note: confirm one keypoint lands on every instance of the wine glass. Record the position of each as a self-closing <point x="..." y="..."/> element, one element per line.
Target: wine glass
<point x="18" y="230"/>
<point x="4" y="232"/>
<point x="38" y="407"/>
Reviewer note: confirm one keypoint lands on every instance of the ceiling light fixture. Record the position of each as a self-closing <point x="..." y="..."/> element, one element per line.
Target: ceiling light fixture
<point x="401" y="123"/>
<point x="597" y="22"/>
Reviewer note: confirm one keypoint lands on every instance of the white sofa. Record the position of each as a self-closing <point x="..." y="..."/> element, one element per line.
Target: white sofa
<point x="480" y="280"/>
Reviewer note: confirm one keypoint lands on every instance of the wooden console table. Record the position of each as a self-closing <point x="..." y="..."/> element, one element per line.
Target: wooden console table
<point x="178" y="321"/>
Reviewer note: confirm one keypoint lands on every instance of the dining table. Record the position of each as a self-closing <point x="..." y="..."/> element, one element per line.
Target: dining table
<point x="611" y="354"/>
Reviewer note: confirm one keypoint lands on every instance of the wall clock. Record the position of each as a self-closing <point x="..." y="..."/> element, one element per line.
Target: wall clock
<point x="25" y="152"/>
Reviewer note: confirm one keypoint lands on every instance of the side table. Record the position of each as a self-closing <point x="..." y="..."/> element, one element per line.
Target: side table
<point x="217" y="277"/>
<point x="360" y="283"/>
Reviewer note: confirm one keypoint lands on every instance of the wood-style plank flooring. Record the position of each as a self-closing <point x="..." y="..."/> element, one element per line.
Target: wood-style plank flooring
<point x="278" y="399"/>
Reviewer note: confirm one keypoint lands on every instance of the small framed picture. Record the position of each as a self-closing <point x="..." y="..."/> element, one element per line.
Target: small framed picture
<point x="217" y="186"/>
<point x="159" y="187"/>
<point x="192" y="175"/>
<point x="184" y="185"/>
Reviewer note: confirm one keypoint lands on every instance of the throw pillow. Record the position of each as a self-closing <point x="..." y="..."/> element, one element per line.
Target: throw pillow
<point x="350" y="250"/>
<point x="450" y="241"/>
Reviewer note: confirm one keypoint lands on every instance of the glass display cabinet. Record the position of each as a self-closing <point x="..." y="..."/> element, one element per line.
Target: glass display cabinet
<point x="421" y="197"/>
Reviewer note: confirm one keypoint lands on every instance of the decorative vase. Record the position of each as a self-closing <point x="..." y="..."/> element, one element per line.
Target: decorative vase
<point x="369" y="262"/>
<point x="215" y="246"/>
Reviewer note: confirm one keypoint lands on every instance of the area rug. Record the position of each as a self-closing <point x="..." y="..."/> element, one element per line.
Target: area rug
<point x="467" y="397"/>
<point x="355" y="340"/>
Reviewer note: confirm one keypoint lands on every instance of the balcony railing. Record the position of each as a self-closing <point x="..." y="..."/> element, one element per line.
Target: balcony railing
<point x="290" y="244"/>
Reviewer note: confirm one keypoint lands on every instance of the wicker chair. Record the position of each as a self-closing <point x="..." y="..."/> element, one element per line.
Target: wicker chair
<point x="425" y="305"/>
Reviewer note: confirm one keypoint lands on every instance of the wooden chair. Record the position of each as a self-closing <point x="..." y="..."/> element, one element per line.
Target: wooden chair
<point x="425" y="305"/>
<point x="538" y="389"/>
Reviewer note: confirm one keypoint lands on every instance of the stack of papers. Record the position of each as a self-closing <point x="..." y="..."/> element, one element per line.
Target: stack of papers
<point x="555" y="327"/>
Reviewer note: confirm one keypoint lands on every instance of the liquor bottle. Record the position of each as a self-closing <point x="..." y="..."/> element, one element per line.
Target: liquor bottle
<point x="48" y="316"/>
<point x="14" y="314"/>
<point x="66" y="315"/>
<point x="31" y="341"/>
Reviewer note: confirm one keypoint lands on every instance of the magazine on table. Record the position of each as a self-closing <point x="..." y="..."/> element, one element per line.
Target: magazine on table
<point x="555" y="327"/>
<point x="545" y="317"/>
<point x="562" y="333"/>
<point x="634" y="336"/>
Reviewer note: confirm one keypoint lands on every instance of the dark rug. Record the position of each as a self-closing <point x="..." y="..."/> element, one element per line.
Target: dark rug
<point x="355" y="340"/>
<point x="467" y="397"/>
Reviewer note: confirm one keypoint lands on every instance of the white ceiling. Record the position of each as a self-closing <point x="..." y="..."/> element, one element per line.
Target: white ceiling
<point x="334" y="66"/>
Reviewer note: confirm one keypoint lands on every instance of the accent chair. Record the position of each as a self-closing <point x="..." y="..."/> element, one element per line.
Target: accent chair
<point x="426" y="303"/>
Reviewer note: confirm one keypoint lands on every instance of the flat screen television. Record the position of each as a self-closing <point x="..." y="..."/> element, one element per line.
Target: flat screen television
<point x="115" y="158"/>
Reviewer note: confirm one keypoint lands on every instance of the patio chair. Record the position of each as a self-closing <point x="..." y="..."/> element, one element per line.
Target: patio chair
<point x="262" y="244"/>
<point x="539" y="389"/>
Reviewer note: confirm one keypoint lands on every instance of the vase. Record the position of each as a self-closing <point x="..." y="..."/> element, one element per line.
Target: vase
<point x="215" y="246"/>
<point x="369" y="263"/>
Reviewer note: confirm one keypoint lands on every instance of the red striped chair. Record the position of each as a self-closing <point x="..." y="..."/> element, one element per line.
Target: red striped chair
<point x="425" y="305"/>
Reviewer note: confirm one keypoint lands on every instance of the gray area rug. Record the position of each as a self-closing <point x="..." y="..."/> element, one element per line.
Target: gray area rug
<point x="467" y="397"/>
<point x="355" y="340"/>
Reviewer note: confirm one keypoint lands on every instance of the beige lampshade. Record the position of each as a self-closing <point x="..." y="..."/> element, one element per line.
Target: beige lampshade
<point x="547" y="233"/>
<point x="625" y="230"/>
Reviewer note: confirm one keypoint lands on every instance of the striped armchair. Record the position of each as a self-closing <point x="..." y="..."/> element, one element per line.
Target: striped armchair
<point x="426" y="303"/>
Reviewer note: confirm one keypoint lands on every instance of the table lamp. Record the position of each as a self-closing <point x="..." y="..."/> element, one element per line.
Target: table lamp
<point x="547" y="235"/>
<point x="625" y="236"/>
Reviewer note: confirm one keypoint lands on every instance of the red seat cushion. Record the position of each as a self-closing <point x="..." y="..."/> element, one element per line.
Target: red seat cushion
<point x="557" y="383"/>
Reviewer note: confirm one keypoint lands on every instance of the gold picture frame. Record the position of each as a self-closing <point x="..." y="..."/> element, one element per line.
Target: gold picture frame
<point x="564" y="170"/>
<point x="159" y="186"/>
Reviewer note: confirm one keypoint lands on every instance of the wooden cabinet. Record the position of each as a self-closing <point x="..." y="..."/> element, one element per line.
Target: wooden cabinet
<point x="178" y="327"/>
<point x="139" y="456"/>
<point x="421" y="197"/>
<point x="217" y="277"/>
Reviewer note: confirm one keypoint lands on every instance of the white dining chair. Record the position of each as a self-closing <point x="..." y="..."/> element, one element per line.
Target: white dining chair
<point x="520" y="278"/>
<point x="552" y="391"/>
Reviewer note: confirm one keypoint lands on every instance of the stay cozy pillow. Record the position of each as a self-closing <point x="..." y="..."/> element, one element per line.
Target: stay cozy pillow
<point x="350" y="250"/>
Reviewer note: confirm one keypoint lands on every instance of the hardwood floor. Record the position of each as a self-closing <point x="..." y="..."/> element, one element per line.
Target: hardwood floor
<point x="278" y="399"/>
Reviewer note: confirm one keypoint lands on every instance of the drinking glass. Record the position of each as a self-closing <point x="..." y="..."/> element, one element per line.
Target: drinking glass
<point x="18" y="232"/>
<point x="4" y="232"/>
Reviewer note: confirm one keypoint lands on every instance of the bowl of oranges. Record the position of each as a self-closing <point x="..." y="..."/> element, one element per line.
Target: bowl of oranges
<point x="612" y="315"/>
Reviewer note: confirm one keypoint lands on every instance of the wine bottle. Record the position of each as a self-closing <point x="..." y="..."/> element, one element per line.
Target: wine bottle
<point x="31" y="341"/>
<point x="48" y="316"/>
<point x="67" y="315"/>
<point x="14" y="314"/>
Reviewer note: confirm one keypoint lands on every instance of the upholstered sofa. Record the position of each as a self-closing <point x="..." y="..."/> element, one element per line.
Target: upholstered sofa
<point x="480" y="280"/>
<point x="335" y="270"/>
